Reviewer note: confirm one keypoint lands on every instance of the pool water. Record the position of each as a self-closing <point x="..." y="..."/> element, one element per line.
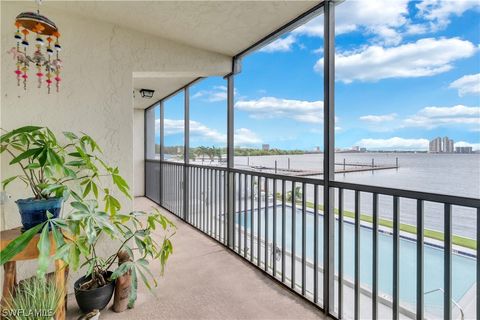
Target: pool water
<point x="463" y="267"/>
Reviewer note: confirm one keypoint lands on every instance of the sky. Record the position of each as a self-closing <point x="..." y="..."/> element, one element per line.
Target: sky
<point x="406" y="72"/>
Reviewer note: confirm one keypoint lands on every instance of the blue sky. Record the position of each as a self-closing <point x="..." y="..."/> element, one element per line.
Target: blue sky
<point x="406" y="72"/>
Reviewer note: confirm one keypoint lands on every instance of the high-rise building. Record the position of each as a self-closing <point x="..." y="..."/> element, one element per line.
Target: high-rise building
<point x="447" y="145"/>
<point x="441" y="145"/>
<point x="435" y="145"/>
<point x="464" y="150"/>
<point x="265" y="147"/>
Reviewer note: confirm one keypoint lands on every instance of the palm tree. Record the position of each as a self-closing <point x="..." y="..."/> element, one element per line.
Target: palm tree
<point x="297" y="194"/>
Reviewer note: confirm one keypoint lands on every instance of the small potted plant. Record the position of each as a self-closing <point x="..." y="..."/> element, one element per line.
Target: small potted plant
<point x="134" y="230"/>
<point x="49" y="167"/>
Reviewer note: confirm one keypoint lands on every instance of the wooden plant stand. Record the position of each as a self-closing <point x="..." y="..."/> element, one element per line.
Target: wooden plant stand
<point x="30" y="253"/>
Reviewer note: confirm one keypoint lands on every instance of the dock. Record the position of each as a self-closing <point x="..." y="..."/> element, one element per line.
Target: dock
<point x="342" y="167"/>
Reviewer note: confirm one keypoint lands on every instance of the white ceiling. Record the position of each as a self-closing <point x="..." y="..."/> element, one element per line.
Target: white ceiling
<point x="225" y="27"/>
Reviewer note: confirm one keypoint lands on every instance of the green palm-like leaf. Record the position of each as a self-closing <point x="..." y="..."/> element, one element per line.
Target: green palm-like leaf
<point x="43" y="250"/>
<point x="17" y="245"/>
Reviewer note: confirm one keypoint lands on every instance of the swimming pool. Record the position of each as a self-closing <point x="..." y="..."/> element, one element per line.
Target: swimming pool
<point x="463" y="267"/>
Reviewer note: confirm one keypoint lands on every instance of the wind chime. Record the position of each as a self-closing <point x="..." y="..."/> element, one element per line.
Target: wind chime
<point x="45" y="58"/>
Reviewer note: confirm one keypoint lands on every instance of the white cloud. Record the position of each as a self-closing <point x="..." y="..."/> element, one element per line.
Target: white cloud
<point x="199" y="131"/>
<point x="244" y="136"/>
<point x="271" y="107"/>
<point x="394" y="143"/>
<point x="439" y="12"/>
<point x="425" y="57"/>
<point x="379" y="18"/>
<point x="379" y="118"/>
<point x="280" y="45"/>
<point x="467" y="84"/>
<point x="433" y="117"/>
<point x="458" y="110"/>
<point x="217" y="93"/>
<point x="475" y="146"/>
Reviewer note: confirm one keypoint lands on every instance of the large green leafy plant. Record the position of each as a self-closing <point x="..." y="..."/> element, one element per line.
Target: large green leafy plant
<point x="75" y="169"/>
<point x="51" y="168"/>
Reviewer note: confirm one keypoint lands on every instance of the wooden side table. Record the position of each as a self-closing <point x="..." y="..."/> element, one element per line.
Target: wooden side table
<point x="30" y="253"/>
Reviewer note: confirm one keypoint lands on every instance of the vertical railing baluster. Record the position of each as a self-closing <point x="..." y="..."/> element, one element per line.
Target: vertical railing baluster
<point x="294" y="234"/>
<point x="478" y="264"/>
<point x="207" y="204"/>
<point x="447" y="301"/>
<point x="235" y="209"/>
<point x="315" y="243"/>
<point x="304" y="236"/>
<point x="239" y="215"/>
<point x="284" y="229"/>
<point x="340" y="253"/>
<point x="199" y="198"/>
<point x="175" y="194"/>
<point x="204" y="199"/>
<point x="274" y="231"/>
<point x="211" y="203"/>
<point x="420" y="286"/>
<point x="225" y="209"/>
<point x="266" y="224"/>
<point x="375" y="257"/>
<point x="189" y="196"/>
<point x="252" y="209"/>
<point x="245" y="210"/>
<point x="178" y="190"/>
<point x="357" y="255"/>
<point x="396" y="257"/>
<point x="259" y="225"/>
<point x="218" y="204"/>
<point x="214" y="193"/>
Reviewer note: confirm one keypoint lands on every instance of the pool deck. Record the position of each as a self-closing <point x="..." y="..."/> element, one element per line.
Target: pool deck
<point x="203" y="280"/>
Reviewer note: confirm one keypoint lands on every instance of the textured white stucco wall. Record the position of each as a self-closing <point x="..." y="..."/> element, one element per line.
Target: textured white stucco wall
<point x="138" y="153"/>
<point x="96" y="92"/>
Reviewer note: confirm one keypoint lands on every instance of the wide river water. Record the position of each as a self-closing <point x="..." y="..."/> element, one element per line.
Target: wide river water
<point x="451" y="174"/>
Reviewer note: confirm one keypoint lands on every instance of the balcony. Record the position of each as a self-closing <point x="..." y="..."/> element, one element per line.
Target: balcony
<point x="264" y="240"/>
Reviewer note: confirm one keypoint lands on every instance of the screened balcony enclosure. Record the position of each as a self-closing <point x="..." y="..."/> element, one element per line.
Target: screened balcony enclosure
<point x="298" y="146"/>
<point x="318" y="237"/>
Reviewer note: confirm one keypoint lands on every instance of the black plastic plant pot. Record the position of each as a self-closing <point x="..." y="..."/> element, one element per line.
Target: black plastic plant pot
<point x="34" y="211"/>
<point x="97" y="298"/>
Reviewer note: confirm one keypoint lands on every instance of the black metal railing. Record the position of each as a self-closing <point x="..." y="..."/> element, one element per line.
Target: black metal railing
<point x="276" y="223"/>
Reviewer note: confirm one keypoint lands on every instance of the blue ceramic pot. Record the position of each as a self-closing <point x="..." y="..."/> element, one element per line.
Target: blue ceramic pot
<point x="34" y="211"/>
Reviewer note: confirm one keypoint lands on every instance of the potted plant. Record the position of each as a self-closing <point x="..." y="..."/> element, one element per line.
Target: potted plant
<point x="49" y="168"/>
<point x="134" y="230"/>
<point x="34" y="298"/>
<point x="94" y="216"/>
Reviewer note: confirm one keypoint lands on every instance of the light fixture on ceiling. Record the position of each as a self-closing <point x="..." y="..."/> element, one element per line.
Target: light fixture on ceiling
<point x="147" y="93"/>
<point x="46" y="34"/>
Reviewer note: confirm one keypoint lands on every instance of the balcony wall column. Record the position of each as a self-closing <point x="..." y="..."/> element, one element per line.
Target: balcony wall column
<point x="230" y="160"/>
<point x="162" y="148"/>
<point x="329" y="155"/>
<point x="186" y="153"/>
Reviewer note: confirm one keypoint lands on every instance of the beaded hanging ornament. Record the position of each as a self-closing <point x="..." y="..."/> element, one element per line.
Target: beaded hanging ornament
<point x="45" y="58"/>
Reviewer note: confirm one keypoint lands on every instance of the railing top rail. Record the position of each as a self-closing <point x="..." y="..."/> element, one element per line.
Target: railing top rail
<point x="279" y="176"/>
<point x="419" y="195"/>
